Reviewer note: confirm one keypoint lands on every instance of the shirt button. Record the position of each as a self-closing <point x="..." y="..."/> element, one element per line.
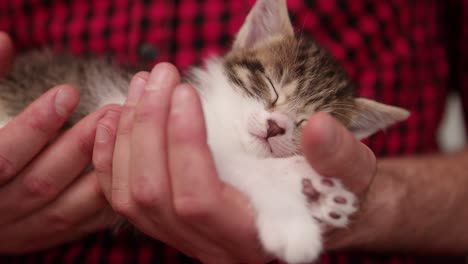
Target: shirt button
<point x="147" y="52"/>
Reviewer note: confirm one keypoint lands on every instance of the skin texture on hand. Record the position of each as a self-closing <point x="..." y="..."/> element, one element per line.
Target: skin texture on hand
<point x="418" y="205"/>
<point x="161" y="176"/>
<point x="334" y="152"/>
<point x="408" y="204"/>
<point x="42" y="192"/>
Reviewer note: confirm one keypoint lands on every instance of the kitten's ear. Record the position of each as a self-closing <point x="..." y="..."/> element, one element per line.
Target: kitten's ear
<point x="268" y="18"/>
<point x="372" y="116"/>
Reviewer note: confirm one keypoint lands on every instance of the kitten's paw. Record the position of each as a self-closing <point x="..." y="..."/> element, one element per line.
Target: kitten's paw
<point x="292" y="239"/>
<point x="329" y="201"/>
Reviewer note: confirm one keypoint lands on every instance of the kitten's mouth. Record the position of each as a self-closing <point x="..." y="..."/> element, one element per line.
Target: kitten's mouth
<point x="272" y="148"/>
<point x="263" y="141"/>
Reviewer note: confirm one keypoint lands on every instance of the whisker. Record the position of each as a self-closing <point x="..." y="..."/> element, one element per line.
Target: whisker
<point x="284" y="147"/>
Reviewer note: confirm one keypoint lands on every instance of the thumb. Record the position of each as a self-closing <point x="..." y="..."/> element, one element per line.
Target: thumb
<point x="6" y="53"/>
<point x="334" y="152"/>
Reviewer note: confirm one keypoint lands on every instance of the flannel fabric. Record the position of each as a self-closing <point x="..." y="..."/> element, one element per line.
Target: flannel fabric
<point x="406" y="53"/>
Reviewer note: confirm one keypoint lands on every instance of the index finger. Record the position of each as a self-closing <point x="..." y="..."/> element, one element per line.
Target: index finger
<point x="26" y="134"/>
<point x="334" y="152"/>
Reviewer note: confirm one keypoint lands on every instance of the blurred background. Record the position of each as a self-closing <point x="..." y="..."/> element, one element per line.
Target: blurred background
<point x="451" y="134"/>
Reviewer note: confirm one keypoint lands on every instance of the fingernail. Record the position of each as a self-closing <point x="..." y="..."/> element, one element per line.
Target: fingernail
<point x="136" y="89"/>
<point x="181" y="100"/>
<point x="102" y="134"/>
<point x="64" y="102"/>
<point x="161" y="77"/>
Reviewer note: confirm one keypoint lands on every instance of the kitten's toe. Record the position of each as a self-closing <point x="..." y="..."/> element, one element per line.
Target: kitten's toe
<point x="294" y="240"/>
<point x="329" y="202"/>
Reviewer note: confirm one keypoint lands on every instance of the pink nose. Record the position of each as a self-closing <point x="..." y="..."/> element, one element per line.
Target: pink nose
<point x="274" y="129"/>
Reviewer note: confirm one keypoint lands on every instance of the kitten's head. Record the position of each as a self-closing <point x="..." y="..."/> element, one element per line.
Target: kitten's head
<point x="283" y="78"/>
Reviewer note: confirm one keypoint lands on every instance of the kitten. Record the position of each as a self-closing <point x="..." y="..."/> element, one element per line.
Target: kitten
<point x="256" y="100"/>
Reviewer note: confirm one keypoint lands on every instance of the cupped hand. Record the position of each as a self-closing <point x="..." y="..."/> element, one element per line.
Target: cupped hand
<point x="334" y="152"/>
<point x="43" y="191"/>
<point x="161" y="176"/>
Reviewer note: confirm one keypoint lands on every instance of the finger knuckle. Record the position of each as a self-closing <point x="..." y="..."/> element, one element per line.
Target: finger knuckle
<point x="145" y="114"/>
<point x="148" y="111"/>
<point x="59" y="220"/>
<point x="39" y="187"/>
<point x="7" y="169"/>
<point x="121" y="206"/>
<point x="146" y="196"/>
<point x="102" y="163"/>
<point x="40" y="122"/>
<point x="190" y="208"/>
<point x="125" y="129"/>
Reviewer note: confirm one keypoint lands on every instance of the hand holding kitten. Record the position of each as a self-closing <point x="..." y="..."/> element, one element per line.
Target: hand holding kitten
<point x="184" y="204"/>
<point x="163" y="177"/>
<point x="161" y="174"/>
<point x="37" y="196"/>
<point x="334" y="152"/>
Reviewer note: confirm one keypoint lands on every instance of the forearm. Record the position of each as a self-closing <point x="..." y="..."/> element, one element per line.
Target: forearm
<point x="414" y="204"/>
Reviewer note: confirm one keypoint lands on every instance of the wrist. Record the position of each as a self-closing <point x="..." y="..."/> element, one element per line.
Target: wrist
<point x="372" y="227"/>
<point x="414" y="204"/>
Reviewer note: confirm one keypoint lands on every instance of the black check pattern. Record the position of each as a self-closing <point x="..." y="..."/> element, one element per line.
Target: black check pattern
<point x="407" y="53"/>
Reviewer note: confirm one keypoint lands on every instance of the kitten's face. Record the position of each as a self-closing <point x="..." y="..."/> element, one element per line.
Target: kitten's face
<point x="291" y="77"/>
<point x="282" y="79"/>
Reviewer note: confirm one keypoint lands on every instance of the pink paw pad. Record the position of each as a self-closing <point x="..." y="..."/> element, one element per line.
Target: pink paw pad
<point x="334" y="215"/>
<point x="309" y="190"/>
<point x="333" y="204"/>
<point x="340" y="200"/>
<point x="328" y="182"/>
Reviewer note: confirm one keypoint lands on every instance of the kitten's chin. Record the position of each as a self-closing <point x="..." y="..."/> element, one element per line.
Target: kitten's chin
<point x="259" y="147"/>
<point x="271" y="148"/>
<point x="281" y="147"/>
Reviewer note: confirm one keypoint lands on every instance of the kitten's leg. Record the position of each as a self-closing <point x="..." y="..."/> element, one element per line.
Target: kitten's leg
<point x="285" y="225"/>
<point x="289" y="215"/>
<point x="326" y="200"/>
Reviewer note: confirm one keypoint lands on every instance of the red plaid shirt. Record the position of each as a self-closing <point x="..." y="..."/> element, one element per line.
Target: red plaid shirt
<point x="406" y="53"/>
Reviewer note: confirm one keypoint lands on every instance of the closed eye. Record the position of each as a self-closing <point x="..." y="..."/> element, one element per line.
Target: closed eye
<point x="298" y="124"/>
<point x="274" y="90"/>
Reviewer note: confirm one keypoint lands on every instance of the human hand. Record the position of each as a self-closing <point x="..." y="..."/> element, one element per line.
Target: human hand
<point x="43" y="199"/>
<point x="408" y="204"/>
<point x="333" y="151"/>
<point x="161" y="176"/>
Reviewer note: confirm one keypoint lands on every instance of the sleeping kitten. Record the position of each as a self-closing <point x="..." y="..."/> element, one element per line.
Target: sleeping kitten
<point x="256" y="100"/>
